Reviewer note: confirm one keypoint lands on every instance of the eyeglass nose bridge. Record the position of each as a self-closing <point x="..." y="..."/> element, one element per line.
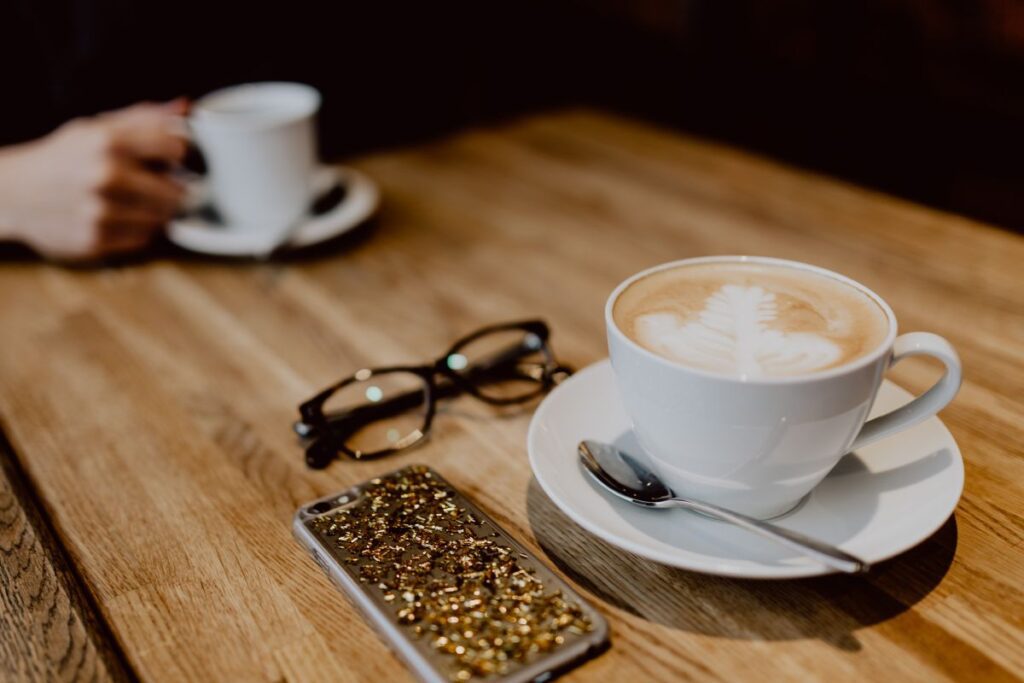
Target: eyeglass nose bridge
<point x="559" y="373"/>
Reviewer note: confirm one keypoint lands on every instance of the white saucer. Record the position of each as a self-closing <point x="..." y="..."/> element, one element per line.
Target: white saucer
<point x="876" y="503"/>
<point x="198" y="233"/>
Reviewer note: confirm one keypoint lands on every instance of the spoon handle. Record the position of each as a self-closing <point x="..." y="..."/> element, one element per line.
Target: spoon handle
<point x="822" y="552"/>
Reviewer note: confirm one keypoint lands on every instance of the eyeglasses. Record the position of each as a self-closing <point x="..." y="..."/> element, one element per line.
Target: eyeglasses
<point x="379" y="411"/>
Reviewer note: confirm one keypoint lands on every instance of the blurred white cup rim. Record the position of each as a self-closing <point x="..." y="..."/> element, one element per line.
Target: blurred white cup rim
<point x="257" y="105"/>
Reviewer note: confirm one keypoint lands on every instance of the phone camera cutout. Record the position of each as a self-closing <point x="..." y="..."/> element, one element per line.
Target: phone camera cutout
<point x="319" y="508"/>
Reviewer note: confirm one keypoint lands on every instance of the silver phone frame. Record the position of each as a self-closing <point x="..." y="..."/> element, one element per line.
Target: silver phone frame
<point x="412" y="652"/>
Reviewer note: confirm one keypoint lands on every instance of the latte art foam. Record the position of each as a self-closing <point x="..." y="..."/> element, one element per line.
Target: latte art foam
<point x="750" y="319"/>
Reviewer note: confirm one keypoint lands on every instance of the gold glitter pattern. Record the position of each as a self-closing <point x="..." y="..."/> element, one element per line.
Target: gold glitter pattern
<point x="448" y="576"/>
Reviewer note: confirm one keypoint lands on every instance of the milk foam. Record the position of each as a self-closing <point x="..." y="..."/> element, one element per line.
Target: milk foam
<point x="750" y="321"/>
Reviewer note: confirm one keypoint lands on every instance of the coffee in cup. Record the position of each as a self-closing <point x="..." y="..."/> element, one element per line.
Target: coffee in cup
<point x="750" y="319"/>
<point x="747" y="378"/>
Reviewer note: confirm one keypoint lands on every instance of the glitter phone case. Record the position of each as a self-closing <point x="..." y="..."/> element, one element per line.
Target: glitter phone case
<point x="453" y="594"/>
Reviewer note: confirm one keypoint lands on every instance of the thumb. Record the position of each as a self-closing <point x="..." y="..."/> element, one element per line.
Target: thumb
<point x="148" y="111"/>
<point x="179" y="106"/>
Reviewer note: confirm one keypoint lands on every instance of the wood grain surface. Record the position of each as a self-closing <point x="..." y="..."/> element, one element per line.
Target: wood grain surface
<point x="51" y="630"/>
<point x="149" y="407"/>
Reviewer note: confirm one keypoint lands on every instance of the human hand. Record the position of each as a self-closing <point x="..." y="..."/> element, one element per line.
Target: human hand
<point x="95" y="186"/>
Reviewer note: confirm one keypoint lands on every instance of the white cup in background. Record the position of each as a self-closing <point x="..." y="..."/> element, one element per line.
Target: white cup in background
<point x="259" y="143"/>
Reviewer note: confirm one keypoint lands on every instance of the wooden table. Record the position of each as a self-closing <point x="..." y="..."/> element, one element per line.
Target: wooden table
<point x="144" y="515"/>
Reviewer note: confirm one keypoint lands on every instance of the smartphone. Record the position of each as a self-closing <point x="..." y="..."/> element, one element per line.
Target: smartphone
<point x="452" y="593"/>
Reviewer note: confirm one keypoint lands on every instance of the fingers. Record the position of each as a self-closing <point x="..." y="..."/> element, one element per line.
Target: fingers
<point x="125" y="243"/>
<point x="154" y="193"/>
<point x="142" y="111"/>
<point x="104" y="230"/>
<point x="151" y="132"/>
<point x="125" y="229"/>
<point x="119" y="219"/>
<point x="179" y="106"/>
<point x="156" y="139"/>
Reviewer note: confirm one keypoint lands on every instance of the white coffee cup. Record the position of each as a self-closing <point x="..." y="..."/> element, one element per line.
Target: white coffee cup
<point x="259" y="144"/>
<point x="759" y="445"/>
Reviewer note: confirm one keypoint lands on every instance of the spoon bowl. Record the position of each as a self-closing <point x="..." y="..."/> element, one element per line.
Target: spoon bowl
<point x="621" y="474"/>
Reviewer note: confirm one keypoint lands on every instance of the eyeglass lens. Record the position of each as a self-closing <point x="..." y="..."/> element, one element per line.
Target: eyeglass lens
<point x="502" y="365"/>
<point x="379" y="411"/>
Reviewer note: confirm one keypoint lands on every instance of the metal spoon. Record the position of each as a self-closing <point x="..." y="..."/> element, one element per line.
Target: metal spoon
<point x="629" y="478"/>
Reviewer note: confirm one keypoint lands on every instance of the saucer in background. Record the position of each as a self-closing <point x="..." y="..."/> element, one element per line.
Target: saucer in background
<point x="345" y="198"/>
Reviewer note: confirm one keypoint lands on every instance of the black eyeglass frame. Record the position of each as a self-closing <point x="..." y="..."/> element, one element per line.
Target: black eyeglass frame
<point x="328" y="433"/>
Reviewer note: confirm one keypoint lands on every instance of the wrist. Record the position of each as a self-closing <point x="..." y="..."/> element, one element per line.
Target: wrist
<point x="10" y="228"/>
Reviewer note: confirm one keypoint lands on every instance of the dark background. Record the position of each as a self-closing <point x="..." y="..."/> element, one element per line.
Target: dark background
<point x="919" y="98"/>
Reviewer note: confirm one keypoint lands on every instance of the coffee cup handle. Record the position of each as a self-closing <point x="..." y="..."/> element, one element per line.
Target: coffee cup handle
<point x="197" y="193"/>
<point x="928" y="403"/>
